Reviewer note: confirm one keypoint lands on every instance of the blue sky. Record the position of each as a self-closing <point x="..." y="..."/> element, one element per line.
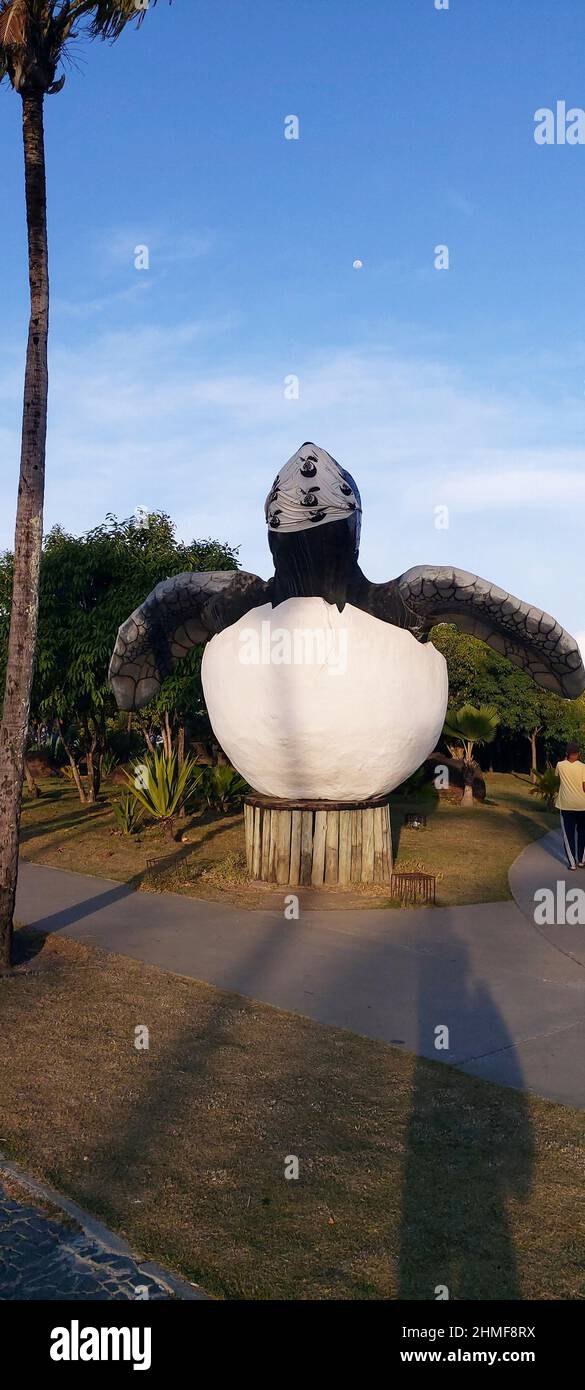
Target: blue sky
<point x="462" y="388"/>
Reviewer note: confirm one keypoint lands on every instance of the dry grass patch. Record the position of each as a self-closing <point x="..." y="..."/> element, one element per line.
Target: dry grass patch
<point x="411" y="1173"/>
<point x="469" y="851"/>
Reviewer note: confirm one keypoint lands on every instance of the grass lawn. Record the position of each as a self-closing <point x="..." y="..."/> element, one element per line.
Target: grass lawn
<point x="470" y="851"/>
<point x="411" y="1173"/>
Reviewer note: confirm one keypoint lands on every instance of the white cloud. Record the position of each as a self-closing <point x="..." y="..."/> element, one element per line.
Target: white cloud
<point x="498" y="482"/>
<point x="116" y="246"/>
<point x="141" y="418"/>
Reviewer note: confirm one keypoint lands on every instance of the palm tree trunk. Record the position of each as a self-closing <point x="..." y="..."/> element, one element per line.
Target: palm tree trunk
<point x="29" y="522"/>
<point x="468" y="776"/>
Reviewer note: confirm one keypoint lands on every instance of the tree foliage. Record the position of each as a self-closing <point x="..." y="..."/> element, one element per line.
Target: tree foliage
<point x="480" y="676"/>
<point x="88" y="586"/>
<point x="37" y="35"/>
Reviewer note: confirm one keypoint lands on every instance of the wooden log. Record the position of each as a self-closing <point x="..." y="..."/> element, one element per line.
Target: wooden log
<point x="319" y="833"/>
<point x="295" y="847"/>
<point x="273" y="843"/>
<point x="248" y="821"/>
<point x="306" y="847"/>
<point x="332" y="847"/>
<point x="388" y="856"/>
<point x="368" y="845"/>
<point x="266" y="818"/>
<point x="299" y="844"/>
<point x="356" y="847"/>
<point x="283" y="847"/>
<point x="345" y="818"/>
<point x="257" y="843"/>
<point x="378" y="814"/>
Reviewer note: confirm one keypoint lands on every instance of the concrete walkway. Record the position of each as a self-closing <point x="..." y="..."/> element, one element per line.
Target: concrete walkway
<point x="511" y="995"/>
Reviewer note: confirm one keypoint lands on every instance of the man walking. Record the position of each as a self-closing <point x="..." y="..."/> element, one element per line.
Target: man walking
<point x="571" y="804"/>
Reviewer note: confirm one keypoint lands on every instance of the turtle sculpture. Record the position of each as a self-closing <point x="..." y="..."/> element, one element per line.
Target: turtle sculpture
<point x="318" y="683"/>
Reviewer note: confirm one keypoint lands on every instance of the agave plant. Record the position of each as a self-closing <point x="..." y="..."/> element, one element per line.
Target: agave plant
<point x="109" y="764"/>
<point x="223" y="788"/>
<point x="128" y="813"/>
<point x="162" y="787"/>
<point x="546" y="787"/>
<point x="464" y="728"/>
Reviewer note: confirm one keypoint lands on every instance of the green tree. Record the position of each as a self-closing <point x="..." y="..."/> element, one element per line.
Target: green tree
<point x="478" y="675"/>
<point x="88" y="585"/>
<point x="34" y="38"/>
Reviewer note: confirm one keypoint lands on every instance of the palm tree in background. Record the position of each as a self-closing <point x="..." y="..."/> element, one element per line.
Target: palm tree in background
<point x="34" y="38"/>
<point x="464" y="728"/>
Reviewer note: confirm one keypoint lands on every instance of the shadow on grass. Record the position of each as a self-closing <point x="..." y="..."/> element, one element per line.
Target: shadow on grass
<point x="455" y="1225"/>
<point x="461" y="1159"/>
<point x="465" y="1153"/>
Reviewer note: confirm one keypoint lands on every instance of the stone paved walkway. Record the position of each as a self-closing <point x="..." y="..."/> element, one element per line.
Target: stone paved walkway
<point x="47" y="1255"/>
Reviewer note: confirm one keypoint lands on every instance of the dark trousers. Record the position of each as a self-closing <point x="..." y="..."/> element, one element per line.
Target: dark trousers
<point x="573" y="828"/>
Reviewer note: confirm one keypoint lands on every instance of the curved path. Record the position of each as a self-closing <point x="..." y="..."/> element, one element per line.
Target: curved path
<point x="511" y="995"/>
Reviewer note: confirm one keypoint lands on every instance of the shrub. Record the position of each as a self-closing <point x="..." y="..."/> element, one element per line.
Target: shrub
<point x="109" y="763"/>
<point x="223" y="788"/>
<point x="128" y="813"/>
<point x="546" y="787"/>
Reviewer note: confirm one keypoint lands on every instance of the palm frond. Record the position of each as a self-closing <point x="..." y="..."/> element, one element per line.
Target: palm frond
<point x="35" y="34"/>
<point x="469" y="723"/>
<point x="14" y="18"/>
<point x="107" y="19"/>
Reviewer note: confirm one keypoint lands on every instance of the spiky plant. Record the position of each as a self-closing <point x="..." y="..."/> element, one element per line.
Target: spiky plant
<point x="109" y="763"/>
<point x="34" y="38"/>
<point x="128" y="813"/>
<point x="223" y="788"/>
<point x="546" y="787"/>
<point x="162" y="787"/>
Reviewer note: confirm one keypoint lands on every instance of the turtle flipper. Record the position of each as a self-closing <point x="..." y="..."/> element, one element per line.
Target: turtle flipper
<point x="178" y="614"/>
<point x="529" y="638"/>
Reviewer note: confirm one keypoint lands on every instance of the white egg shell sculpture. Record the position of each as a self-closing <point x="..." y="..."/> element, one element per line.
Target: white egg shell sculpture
<point x="308" y="702"/>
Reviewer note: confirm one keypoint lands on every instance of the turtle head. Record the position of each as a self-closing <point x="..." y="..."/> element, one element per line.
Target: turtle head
<point x="313" y="512"/>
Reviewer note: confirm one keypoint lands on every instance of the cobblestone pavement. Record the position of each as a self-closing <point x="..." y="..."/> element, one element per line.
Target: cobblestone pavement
<point x="44" y="1257"/>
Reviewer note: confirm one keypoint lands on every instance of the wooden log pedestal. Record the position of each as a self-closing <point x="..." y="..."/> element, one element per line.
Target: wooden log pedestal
<point x="316" y="842"/>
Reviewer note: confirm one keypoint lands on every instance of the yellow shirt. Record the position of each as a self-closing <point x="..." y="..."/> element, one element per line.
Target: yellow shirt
<point x="571" y="796"/>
